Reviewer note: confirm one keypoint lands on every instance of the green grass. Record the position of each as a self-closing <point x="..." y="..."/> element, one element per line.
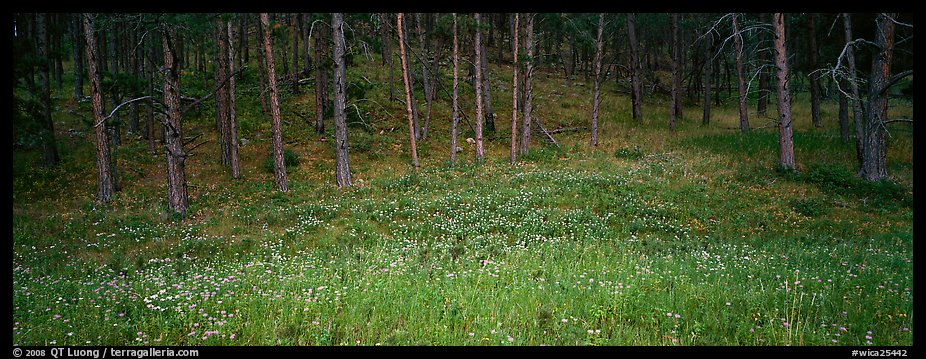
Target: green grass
<point x="653" y="238"/>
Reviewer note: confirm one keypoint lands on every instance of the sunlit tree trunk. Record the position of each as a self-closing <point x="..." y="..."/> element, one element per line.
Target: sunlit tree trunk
<point x="480" y="154"/>
<point x="596" y="100"/>
<point x="105" y="188"/>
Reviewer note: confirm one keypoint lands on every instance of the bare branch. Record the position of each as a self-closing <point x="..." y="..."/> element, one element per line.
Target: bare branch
<point x="113" y="112"/>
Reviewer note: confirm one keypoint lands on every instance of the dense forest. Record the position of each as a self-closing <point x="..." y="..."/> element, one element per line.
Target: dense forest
<point x="476" y="179"/>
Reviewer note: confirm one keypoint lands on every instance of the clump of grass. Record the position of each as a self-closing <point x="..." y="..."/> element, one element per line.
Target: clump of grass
<point x="290" y="160"/>
<point x="634" y="153"/>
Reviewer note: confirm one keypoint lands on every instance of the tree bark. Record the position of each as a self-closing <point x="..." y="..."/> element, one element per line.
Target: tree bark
<point x="178" y="198"/>
<point x="596" y="100"/>
<point x="387" y="54"/>
<point x="297" y="32"/>
<point x="814" y="79"/>
<point x="514" y="90"/>
<point x="456" y="105"/>
<point x="133" y="58"/>
<point x="477" y="45"/>
<point x="149" y="119"/>
<point x="635" y="68"/>
<point x="741" y="75"/>
<point x="673" y="109"/>
<point x="321" y="81"/>
<point x="843" y="118"/>
<point x="411" y="81"/>
<point x="425" y="77"/>
<point x="221" y="93"/>
<point x="708" y="80"/>
<point x="77" y="45"/>
<point x="762" y="104"/>
<point x="406" y="76"/>
<point x="858" y="113"/>
<point x="342" y="165"/>
<point x="261" y="73"/>
<point x="487" y="89"/>
<point x="528" y="76"/>
<point x="231" y="130"/>
<point x="279" y="167"/>
<point x="785" y="135"/>
<point x="49" y="148"/>
<point x="105" y="188"/>
<point x="874" y="151"/>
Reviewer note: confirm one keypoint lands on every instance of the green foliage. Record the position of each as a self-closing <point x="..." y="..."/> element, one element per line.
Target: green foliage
<point x="634" y="153"/>
<point x="808" y="207"/>
<point x="290" y="160"/>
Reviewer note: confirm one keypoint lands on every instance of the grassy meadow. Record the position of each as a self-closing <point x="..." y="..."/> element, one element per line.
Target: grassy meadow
<point x="652" y="238"/>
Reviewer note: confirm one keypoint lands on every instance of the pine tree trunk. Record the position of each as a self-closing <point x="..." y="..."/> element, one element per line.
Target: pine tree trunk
<point x="843" y="118"/>
<point x="149" y="119"/>
<point x="487" y="90"/>
<point x="279" y="167"/>
<point x="514" y="90"/>
<point x="477" y="45"/>
<point x="304" y="21"/>
<point x="814" y="78"/>
<point x="56" y="48"/>
<point x="741" y="75"/>
<point x="874" y="151"/>
<point x="297" y="32"/>
<point x="76" y="47"/>
<point x="528" y="76"/>
<point x="321" y="81"/>
<point x="178" y="198"/>
<point x="406" y="77"/>
<point x="387" y="55"/>
<point x="411" y="81"/>
<point x="673" y="106"/>
<point x="105" y="188"/>
<point x="635" y="68"/>
<point x="456" y="104"/>
<point x="133" y="58"/>
<point x="858" y="114"/>
<point x="231" y="130"/>
<point x="785" y="135"/>
<point x="425" y="76"/>
<point x="221" y="93"/>
<point x="49" y="148"/>
<point x="596" y="100"/>
<point x="708" y="78"/>
<point x="342" y="165"/>
<point x="762" y="105"/>
<point x="115" y="133"/>
<point x="262" y="72"/>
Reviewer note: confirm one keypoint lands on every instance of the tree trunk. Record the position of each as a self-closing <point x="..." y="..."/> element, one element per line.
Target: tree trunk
<point x="874" y="151"/>
<point x="133" y="58"/>
<point x="279" y="167"/>
<point x="321" y="81"/>
<point x="487" y="90"/>
<point x="297" y="32"/>
<point x="149" y="119"/>
<point x="411" y="80"/>
<point x="115" y="131"/>
<point x="514" y="90"/>
<point x="814" y="79"/>
<point x="708" y="80"/>
<point x="843" y="118"/>
<point x="49" y="148"/>
<point x="477" y="45"/>
<point x="387" y="54"/>
<point x="673" y="106"/>
<point x="762" y="105"/>
<point x="857" y="109"/>
<point x="231" y="130"/>
<point x="304" y="21"/>
<point x="221" y="93"/>
<point x="596" y="100"/>
<point x="406" y="79"/>
<point x="456" y="105"/>
<point x="635" y="68"/>
<point x="261" y="73"/>
<point x="178" y="198"/>
<point x="425" y="76"/>
<point x="56" y="48"/>
<point x="741" y="75"/>
<point x="785" y="139"/>
<point x="528" y="76"/>
<point x="77" y="45"/>
<point x="105" y="188"/>
<point x="342" y="165"/>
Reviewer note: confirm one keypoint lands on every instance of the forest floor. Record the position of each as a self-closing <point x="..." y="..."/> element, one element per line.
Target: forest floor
<point x="654" y="237"/>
